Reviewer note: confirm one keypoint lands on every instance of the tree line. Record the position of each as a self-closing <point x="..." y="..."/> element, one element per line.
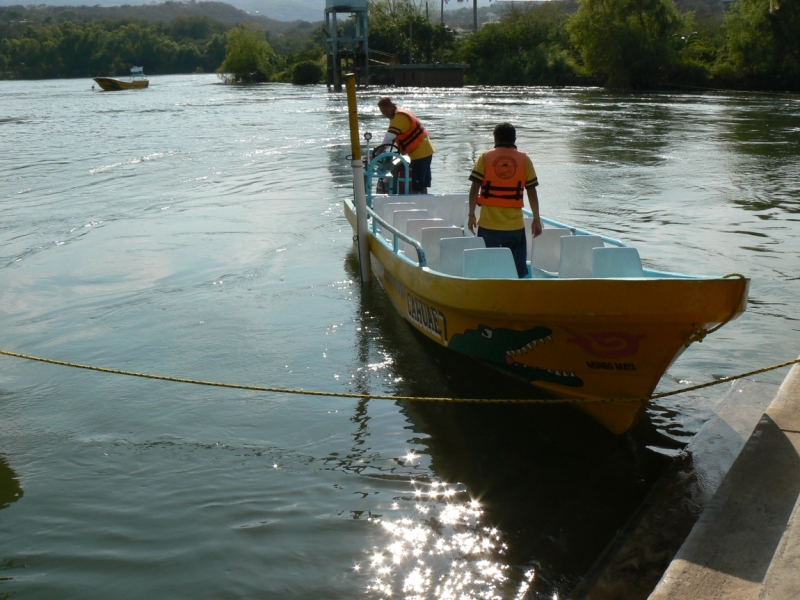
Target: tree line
<point x="753" y="44"/>
<point x="742" y="44"/>
<point x="61" y="42"/>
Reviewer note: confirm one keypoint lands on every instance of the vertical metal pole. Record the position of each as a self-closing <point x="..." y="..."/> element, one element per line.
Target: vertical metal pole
<point x="328" y="50"/>
<point x="337" y="63"/>
<point x="359" y="191"/>
<point x="365" y="16"/>
<point x="474" y="15"/>
<point x="442" y="24"/>
<point x="410" y="42"/>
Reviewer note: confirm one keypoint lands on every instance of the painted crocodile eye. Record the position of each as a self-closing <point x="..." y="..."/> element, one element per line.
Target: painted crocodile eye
<point x="487" y="333"/>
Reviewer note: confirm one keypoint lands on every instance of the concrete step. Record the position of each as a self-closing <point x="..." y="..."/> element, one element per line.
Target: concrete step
<point x="746" y="543"/>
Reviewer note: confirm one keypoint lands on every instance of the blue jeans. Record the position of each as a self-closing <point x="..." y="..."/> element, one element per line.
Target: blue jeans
<point x="513" y="240"/>
<point x="421" y="174"/>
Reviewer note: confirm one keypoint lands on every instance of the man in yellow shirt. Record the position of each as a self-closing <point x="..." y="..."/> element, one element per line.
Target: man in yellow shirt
<point x="498" y="180"/>
<point x="406" y="131"/>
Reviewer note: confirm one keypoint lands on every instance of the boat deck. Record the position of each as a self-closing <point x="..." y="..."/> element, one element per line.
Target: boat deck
<point x="438" y="223"/>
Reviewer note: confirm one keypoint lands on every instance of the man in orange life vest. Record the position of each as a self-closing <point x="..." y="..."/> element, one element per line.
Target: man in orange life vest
<point x="498" y="180"/>
<point x="411" y="138"/>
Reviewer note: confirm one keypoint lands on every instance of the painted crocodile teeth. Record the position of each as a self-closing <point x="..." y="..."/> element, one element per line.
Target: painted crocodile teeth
<point x="572" y="373"/>
<point x="549" y="338"/>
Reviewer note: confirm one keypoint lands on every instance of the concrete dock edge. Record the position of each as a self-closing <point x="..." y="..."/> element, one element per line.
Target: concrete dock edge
<point x="746" y="543"/>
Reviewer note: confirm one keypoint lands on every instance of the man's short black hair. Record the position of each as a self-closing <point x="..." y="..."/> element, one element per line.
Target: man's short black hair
<point x="505" y="133"/>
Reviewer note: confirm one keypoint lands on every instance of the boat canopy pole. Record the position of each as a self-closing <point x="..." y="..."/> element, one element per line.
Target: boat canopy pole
<point x="359" y="190"/>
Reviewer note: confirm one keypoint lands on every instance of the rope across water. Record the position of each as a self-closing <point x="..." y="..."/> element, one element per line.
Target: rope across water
<point x="259" y="388"/>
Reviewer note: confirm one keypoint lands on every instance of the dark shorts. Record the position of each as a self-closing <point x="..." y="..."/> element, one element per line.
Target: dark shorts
<point x="513" y="240"/>
<point x="421" y="174"/>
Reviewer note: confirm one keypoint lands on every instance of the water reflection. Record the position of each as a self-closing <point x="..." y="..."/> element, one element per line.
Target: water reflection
<point x="617" y="131"/>
<point x="555" y="484"/>
<point x="763" y="139"/>
<point x="10" y="489"/>
<point x="763" y="128"/>
<point x="445" y="550"/>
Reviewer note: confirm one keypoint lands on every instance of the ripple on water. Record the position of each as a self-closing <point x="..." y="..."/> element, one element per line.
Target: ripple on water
<point x="212" y="246"/>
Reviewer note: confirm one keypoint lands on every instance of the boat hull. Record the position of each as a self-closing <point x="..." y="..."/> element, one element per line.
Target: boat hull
<point x="109" y="84"/>
<point x="600" y="339"/>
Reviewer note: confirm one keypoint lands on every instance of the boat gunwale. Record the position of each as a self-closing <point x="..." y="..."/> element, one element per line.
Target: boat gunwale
<point x="421" y="262"/>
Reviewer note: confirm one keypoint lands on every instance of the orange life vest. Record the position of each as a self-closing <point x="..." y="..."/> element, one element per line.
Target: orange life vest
<point x="503" y="178"/>
<point x="409" y="140"/>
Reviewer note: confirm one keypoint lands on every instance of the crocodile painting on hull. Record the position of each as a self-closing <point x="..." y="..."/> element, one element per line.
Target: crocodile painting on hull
<point x="503" y="349"/>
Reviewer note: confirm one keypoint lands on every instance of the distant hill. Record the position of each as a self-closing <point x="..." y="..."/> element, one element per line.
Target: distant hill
<point x="279" y="10"/>
<point x="165" y="12"/>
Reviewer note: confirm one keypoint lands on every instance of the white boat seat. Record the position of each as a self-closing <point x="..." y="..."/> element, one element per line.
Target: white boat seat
<point x="616" y="262"/>
<point x="414" y="230"/>
<point x="545" y="249"/>
<point x="489" y="263"/>
<point x="386" y="211"/>
<point x="451" y="253"/>
<point x="379" y="200"/>
<point x="449" y="207"/>
<point x="576" y="255"/>
<point x="430" y="237"/>
<point x="452" y="207"/>
<point x="402" y="217"/>
<point x="414" y="227"/>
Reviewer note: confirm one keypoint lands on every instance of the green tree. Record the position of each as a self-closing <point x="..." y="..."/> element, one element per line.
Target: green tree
<point x="106" y="47"/>
<point x="214" y="52"/>
<point x="526" y="47"/>
<point x="629" y="42"/>
<point x="248" y="56"/>
<point x="763" y="43"/>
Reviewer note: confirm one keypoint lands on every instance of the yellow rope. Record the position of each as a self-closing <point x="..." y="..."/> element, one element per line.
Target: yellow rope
<point x="258" y="388"/>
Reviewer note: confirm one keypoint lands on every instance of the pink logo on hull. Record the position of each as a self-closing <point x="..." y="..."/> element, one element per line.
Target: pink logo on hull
<point x="611" y="344"/>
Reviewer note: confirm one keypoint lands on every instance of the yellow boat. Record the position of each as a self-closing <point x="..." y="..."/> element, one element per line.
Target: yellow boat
<point x="137" y="81"/>
<point x="588" y="322"/>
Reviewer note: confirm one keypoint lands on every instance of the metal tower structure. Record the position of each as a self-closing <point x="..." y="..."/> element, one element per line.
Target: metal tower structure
<point x="346" y="53"/>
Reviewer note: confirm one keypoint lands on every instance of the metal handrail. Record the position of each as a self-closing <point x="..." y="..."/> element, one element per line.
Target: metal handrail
<point x="406" y="179"/>
<point x="397" y="234"/>
<point x="578" y="231"/>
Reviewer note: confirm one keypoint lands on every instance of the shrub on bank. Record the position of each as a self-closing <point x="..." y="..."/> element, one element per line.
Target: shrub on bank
<point x="307" y="72"/>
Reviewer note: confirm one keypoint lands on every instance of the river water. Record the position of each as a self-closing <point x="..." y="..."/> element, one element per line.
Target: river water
<point x="195" y="230"/>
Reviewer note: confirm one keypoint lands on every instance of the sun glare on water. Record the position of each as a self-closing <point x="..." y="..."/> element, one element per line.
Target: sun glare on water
<point x="443" y="551"/>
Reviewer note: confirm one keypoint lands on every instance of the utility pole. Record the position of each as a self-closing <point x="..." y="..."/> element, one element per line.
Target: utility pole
<point x="475" y="15"/>
<point x="442" y="31"/>
<point x="411" y="42"/>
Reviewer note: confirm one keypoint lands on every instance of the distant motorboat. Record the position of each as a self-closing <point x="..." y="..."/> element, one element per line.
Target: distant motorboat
<point x="137" y="81"/>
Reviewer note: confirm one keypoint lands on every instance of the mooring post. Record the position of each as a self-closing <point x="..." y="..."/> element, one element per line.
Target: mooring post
<point x="359" y="191"/>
